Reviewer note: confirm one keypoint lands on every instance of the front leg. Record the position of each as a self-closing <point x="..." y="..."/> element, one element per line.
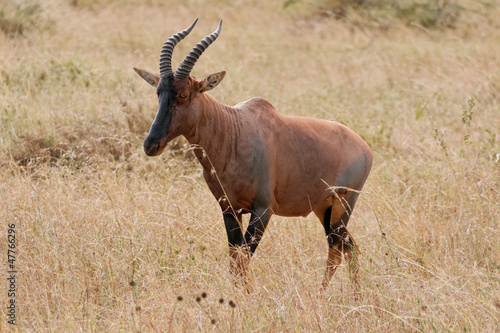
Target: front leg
<point x="232" y="222"/>
<point x="233" y="225"/>
<point x="258" y="222"/>
<point x="242" y="248"/>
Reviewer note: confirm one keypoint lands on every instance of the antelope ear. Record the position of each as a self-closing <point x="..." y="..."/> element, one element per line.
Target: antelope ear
<point x="150" y="78"/>
<point x="211" y="81"/>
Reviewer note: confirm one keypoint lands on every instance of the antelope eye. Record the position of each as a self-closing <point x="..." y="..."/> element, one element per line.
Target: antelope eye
<point x="183" y="95"/>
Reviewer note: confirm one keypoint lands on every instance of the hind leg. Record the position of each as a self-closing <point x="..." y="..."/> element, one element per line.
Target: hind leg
<point x="351" y="253"/>
<point x="334" y="215"/>
<point x="332" y="262"/>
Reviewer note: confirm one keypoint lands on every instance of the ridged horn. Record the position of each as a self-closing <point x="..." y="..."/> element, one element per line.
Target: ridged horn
<point x="186" y="66"/>
<point x="168" y="49"/>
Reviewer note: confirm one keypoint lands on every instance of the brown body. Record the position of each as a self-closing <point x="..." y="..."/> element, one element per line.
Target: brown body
<point x="258" y="153"/>
<point x="259" y="161"/>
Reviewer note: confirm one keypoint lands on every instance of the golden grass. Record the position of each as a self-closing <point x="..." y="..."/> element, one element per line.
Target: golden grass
<point x="108" y="238"/>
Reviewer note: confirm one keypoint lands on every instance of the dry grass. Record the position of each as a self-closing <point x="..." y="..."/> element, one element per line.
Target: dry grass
<point x="108" y="238"/>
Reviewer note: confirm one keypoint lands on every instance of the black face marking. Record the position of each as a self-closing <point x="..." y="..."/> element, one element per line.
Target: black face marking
<point x="166" y="84"/>
<point x="167" y="95"/>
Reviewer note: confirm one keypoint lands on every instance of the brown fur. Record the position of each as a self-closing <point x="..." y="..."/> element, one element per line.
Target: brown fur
<point x="258" y="160"/>
<point x="305" y="155"/>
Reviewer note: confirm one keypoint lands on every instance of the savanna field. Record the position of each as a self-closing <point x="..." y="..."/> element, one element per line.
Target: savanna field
<point x="110" y="240"/>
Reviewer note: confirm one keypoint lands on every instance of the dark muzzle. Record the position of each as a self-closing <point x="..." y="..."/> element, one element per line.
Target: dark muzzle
<point x="154" y="146"/>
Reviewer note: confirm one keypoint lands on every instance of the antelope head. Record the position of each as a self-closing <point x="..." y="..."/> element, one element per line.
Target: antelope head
<point x="178" y="92"/>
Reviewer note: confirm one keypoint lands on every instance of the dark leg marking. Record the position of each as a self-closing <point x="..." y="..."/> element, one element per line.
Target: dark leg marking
<point x="242" y="248"/>
<point x="233" y="229"/>
<point x="340" y="240"/>
<point x="258" y="223"/>
<point x="336" y="233"/>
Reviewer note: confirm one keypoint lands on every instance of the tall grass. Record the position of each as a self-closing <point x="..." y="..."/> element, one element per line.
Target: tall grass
<point x="18" y="18"/>
<point x="427" y="14"/>
<point x="111" y="240"/>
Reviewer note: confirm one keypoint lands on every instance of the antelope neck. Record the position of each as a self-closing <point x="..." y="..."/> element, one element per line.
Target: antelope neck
<point x="216" y="129"/>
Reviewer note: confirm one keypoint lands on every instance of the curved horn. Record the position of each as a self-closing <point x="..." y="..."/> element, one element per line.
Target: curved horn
<point x="168" y="49"/>
<point x="185" y="68"/>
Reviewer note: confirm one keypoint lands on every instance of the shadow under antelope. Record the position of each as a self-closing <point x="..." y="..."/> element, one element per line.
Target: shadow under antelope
<point x="258" y="161"/>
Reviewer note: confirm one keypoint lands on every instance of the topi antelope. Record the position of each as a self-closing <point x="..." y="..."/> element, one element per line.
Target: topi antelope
<point x="258" y="161"/>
